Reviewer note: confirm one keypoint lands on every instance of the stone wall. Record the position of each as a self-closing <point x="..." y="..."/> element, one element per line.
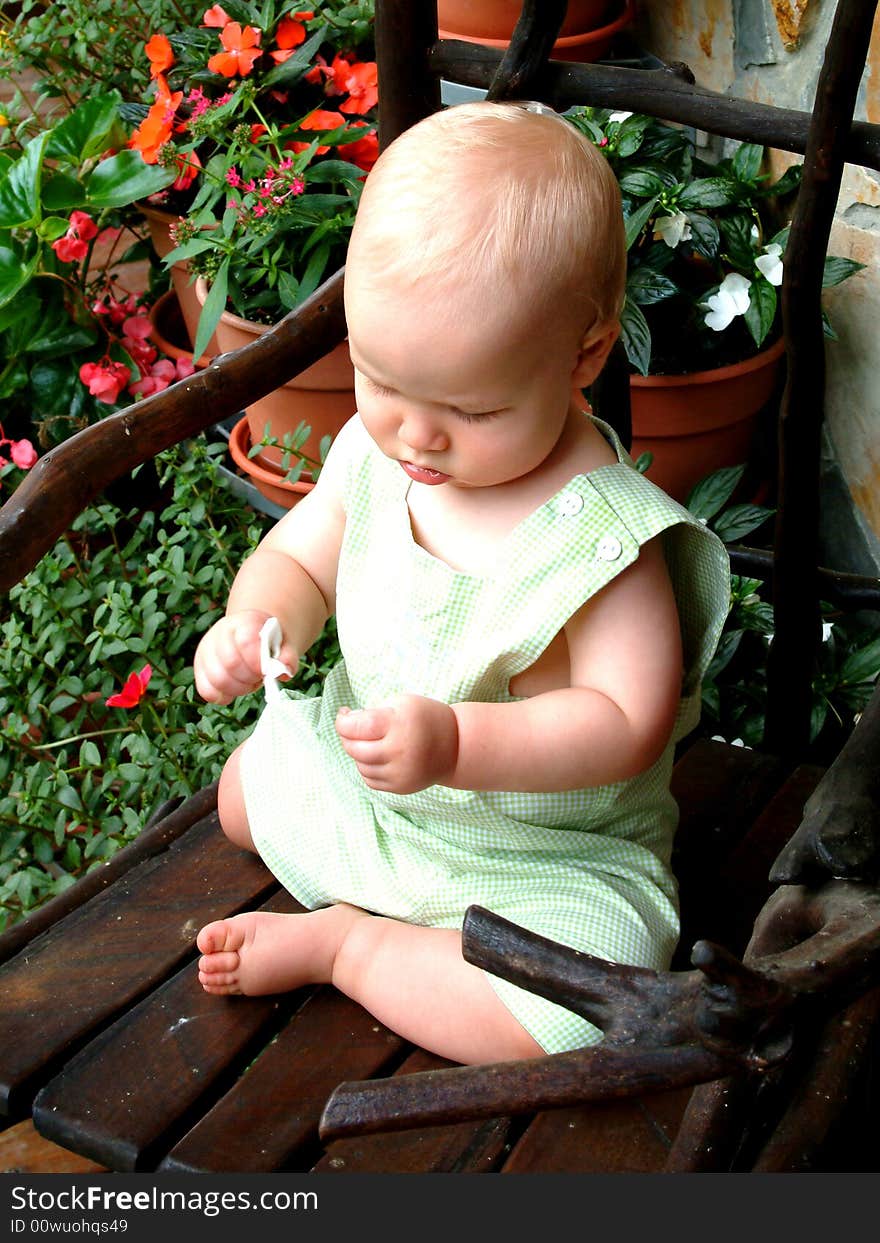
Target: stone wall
<point x="771" y="51"/>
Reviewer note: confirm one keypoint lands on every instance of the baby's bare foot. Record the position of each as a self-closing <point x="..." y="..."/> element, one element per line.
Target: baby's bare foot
<point x="262" y="952"/>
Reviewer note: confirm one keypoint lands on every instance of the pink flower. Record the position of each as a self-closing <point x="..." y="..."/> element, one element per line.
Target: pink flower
<point x="105" y="380"/>
<point x="134" y="690"/>
<point x="189" y="166"/>
<point x="233" y="178"/>
<point x="23" y="454"/>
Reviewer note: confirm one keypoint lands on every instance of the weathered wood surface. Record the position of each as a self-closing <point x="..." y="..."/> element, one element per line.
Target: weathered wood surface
<point x="405" y="32"/>
<point x="92" y="965"/>
<point x="667" y="93"/>
<point x="530" y="45"/>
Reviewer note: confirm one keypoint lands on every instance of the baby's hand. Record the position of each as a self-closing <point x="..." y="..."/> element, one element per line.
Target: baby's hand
<point x="402" y="747"/>
<point x="227" y="660"/>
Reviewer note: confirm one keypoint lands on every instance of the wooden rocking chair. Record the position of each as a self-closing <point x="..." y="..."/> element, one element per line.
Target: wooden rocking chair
<point x="737" y="1064"/>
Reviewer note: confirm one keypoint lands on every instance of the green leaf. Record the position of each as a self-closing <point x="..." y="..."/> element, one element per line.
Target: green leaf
<point x="737" y="233"/>
<point x="86" y="131"/>
<point x="62" y="193"/>
<point x="637" y="221"/>
<point x="20" y="189"/>
<point x="862" y="665"/>
<point x="642" y="182"/>
<point x="817" y="718"/>
<point x="705" y="237"/>
<point x="708" y="192"/>
<point x="636" y="336"/>
<point x="738" y="521"/>
<point x="746" y="162"/>
<point x="15" y="272"/>
<point x="645" y="286"/>
<point x="215" y="305"/>
<point x="124" y="179"/>
<point x="710" y="494"/>
<point x="789" y="181"/>
<point x="838" y="269"/>
<point x="761" y="314"/>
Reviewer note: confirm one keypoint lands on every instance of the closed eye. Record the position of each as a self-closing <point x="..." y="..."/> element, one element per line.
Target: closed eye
<point x="379" y="389"/>
<point x="471" y="417"/>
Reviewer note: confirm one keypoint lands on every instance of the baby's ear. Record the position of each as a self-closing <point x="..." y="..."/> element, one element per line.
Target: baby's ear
<point x="595" y="348"/>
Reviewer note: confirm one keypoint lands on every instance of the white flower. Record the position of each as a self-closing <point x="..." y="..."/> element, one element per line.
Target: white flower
<point x="732" y="299"/>
<point x="734" y="742"/>
<point x="827" y="628"/>
<point x="619" y="116"/>
<point x="770" y="264"/>
<point x="753" y="233"/>
<point x="672" y="229"/>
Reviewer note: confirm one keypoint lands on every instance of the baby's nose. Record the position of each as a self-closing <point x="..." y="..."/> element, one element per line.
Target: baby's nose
<point x="423" y="432"/>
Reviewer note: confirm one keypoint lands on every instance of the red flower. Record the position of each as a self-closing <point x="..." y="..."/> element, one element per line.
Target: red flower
<point x="159" y="54"/>
<point x="290" y="34"/>
<point x="105" y="379"/>
<point x="257" y="131"/>
<point x="362" y="85"/>
<point x="189" y="166"/>
<point x="242" y="49"/>
<point x="74" y="244"/>
<point x="318" y="119"/>
<point x="216" y="16"/>
<point x="364" y="152"/>
<point x="158" y="125"/>
<point x="134" y="690"/>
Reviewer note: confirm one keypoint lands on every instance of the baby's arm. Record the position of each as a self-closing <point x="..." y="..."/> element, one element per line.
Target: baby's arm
<point x="611" y="723"/>
<point x="291" y="576"/>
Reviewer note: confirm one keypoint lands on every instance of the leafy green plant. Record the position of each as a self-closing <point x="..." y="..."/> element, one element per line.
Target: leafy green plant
<point x="61" y="194"/>
<point x="268" y="114"/>
<point x="735" y="686"/>
<point x="119" y="595"/>
<point x="705" y="244"/>
<point x="65" y="51"/>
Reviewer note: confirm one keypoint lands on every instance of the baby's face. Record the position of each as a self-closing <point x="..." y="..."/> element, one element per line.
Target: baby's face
<point x="459" y="392"/>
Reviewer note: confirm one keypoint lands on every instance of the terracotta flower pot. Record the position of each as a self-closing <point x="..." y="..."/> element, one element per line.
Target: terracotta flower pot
<point x="586" y="33"/>
<point x="269" y="482"/>
<point x="169" y="332"/>
<point x="159" y="224"/>
<point x="322" y="396"/>
<point x="697" y="423"/>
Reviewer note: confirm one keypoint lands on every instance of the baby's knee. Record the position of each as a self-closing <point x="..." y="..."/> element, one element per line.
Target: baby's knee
<point x="230" y="804"/>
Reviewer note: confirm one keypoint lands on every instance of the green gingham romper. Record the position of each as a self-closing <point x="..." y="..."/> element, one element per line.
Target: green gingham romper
<point x="589" y="868"/>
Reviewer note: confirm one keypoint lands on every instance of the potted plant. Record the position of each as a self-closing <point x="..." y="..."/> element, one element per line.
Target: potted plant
<point x="267" y="115"/>
<point x="701" y="322"/>
<point x="73" y="333"/>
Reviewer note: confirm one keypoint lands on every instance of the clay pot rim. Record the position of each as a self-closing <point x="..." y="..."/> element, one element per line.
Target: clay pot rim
<point x="713" y="374"/>
<point x="240" y="442"/>
<point x="565" y="41"/>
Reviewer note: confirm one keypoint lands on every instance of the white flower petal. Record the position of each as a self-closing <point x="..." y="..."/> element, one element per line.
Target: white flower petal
<point x="619" y="116"/>
<point x="672" y="229"/>
<point x="770" y="264"/>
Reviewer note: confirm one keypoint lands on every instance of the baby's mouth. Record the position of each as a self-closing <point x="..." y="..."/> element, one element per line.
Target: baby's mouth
<point x="424" y="474"/>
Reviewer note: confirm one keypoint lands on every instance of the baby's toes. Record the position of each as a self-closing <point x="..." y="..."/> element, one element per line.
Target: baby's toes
<point x="216" y="965"/>
<point x="223" y="935"/>
<point x="219" y="982"/>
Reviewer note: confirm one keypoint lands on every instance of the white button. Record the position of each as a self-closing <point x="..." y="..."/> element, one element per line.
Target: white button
<point x="571" y="505"/>
<point x="609" y="548"/>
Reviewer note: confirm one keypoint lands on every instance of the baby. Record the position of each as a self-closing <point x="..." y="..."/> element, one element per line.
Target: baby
<point x="524" y="618"/>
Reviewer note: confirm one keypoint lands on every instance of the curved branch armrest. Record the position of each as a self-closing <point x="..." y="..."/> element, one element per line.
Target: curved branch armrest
<point x="661" y="1029"/>
<point x="839" y="834"/>
<point x="65" y="480"/>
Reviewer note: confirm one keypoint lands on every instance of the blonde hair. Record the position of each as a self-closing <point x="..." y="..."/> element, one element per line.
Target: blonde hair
<point x="518" y="201"/>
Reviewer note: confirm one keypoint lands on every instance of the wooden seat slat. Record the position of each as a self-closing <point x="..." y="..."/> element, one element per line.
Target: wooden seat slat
<point x="269" y="1118"/>
<point x="611" y="1137"/>
<point x="103" y="956"/>
<point x="461" y="1148"/>
<point x="172" y="1048"/>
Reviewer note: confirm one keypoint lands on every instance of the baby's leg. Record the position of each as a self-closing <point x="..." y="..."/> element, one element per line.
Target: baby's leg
<point x="413" y="979"/>
<point x="230" y="803"/>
